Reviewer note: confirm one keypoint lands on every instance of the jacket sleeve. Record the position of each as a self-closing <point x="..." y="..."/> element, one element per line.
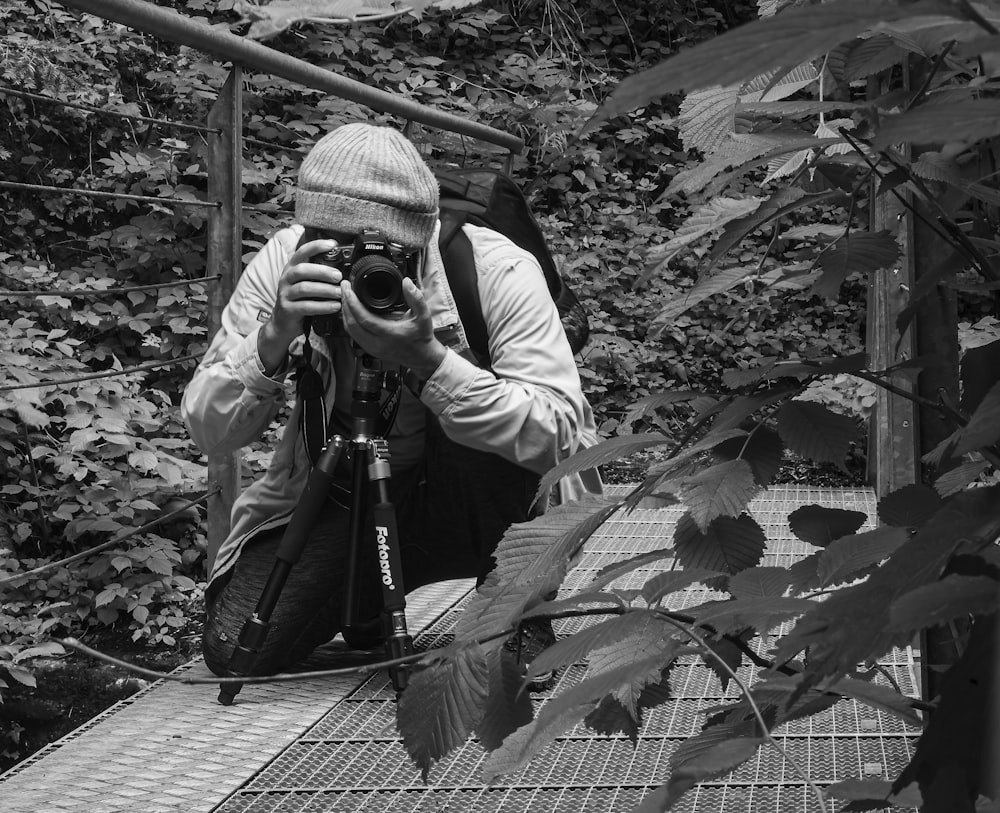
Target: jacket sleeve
<point x="530" y="409"/>
<point x="230" y="401"/>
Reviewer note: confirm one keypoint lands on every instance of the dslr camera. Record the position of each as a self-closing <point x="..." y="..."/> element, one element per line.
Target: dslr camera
<point x="376" y="269"/>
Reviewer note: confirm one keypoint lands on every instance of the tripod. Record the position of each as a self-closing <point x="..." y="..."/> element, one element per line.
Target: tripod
<point x="368" y="455"/>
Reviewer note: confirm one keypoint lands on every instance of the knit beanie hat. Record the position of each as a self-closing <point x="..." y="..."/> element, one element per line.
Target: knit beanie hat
<point x="363" y="176"/>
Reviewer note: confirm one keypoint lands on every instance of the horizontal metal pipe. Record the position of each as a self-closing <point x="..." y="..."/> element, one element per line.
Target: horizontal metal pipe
<point x="97" y="193"/>
<point x="38" y="97"/>
<point x="169" y="25"/>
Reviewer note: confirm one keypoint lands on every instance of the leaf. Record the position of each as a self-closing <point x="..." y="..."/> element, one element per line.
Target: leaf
<point x="652" y="402"/>
<point x="271" y="19"/>
<point x="763" y="450"/>
<point x="956" y="479"/>
<point x="983" y="428"/>
<point x="951" y="598"/>
<point x="532" y="559"/>
<point x="721" y="490"/>
<point x="728" y="652"/>
<point x="775" y="85"/>
<point x="857" y="253"/>
<point x="783" y="202"/>
<point x="558" y="715"/>
<point x="506" y="708"/>
<point x="597" y="455"/>
<point x="845" y="558"/>
<point x="815" y="432"/>
<point x="705" y="219"/>
<point x="954" y="762"/>
<point x="872" y="55"/>
<point x="442" y="705"/>
<point x="908" y="506"/>
<point x="648" y="652"/>
<point x="20" y="674"/>
<point x="851" y="625"/>
<point x="730" y="544"/>
<point x="663" y="584"/>
<point x="783" y="167"/>
<point x="878" y="696"/>
<point x="788" y="38"/>
<point x="713" y="752"/>
<point x="575" y="648"/>
<point x="760" y="582"/>
<point x="795" y="109"/>
<point x="615" y="570"/>
<point x="819" y="525"/>
<point x="969" y="120"/>
<point x="762" y="614"/>
<point x="610" y="718"/>
<point x="980" y="371"/>
<point x="707" y="117"/>
<point x="702" y="290"/>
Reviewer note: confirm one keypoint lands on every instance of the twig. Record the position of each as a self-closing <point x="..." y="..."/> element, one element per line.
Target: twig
<point x="935" y="66"/>
<point x="753" y="706"/>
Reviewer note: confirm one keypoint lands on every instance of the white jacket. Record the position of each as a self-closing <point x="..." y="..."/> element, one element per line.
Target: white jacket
<point x="529" y="409"/>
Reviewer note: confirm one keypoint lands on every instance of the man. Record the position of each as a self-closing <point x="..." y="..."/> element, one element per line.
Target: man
<point x="467" y="445"/>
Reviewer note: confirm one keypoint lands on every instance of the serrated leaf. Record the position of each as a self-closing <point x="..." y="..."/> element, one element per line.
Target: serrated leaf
<point x="507" y="707"/>
<point x="716" y="284"/>
<point x="956" y="479"/>
<point x="761" y="614"/>
<point x="872" y="55"/>
<point x="815" y="432"/>
<point x="713" y="752"/>
<point x="819" y="525"/>
<point x="763" y="450"/>
<point x="558" y="715"/>
<point x="720" y="490"/>
<point x="877" y="696"/>
<point x="759" y="582"/>
<point x="795" y="109"/>
<point x="707" y="117"/>
<point x="647" y="651"/>
<point x="729" y="653"/>
<point x="851" y="625"/>
<point x="532" y="559"/>
<point x="704" y="220"/>
<point x="783" y="167"/>
<point x="857" y="253"/>
<point x="776" y="85"/>
<point x="653" y="402"/>
<point x="575" y="648"/>
<point x="597" y="455"/>
<point x="730" y="544"/>
<point x="442" y="705"/>
<point x="610" y="718"/>
<point x="938" y="603"/>
<point x="970" y="120"/>
<point x="616" y="570"/>
<point x="789" y="38"/>
<point x="983" y="428"/>
<point x="980" y="371"/>
<point x="663" y="584"/>
<point x="847" y="557"/>
<point x="909" y="505"/>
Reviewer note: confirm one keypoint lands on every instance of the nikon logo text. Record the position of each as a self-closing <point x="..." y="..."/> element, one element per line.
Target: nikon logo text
<point x="382" y="541"/>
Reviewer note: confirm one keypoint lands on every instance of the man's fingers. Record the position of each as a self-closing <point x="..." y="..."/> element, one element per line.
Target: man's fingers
<point x="415" y="300"/>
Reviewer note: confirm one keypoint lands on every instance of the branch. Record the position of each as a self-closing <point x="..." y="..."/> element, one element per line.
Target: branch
<point x="753" y="706"/>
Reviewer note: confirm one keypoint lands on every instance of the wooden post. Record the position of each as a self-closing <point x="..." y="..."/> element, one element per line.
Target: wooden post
<point x="225" y="185"/>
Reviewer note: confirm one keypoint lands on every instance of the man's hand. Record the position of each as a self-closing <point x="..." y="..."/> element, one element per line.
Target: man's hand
<point x="405" y="339"/>
<point x="305" y="289"/>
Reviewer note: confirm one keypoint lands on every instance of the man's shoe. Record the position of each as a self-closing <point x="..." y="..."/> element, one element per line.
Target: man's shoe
<point x="533" y="638"/>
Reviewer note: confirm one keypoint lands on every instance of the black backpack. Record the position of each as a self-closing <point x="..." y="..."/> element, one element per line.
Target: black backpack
<point x="490" y="198"/>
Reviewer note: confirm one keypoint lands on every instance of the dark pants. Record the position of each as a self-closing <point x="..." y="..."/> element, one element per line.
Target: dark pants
<point x="451" y="512"/>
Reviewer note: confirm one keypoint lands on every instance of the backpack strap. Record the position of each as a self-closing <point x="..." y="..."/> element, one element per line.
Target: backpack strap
<point x="460" y="268"/>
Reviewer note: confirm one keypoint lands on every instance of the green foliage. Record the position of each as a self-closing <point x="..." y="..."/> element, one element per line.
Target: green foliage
<point x="751" y="109"/>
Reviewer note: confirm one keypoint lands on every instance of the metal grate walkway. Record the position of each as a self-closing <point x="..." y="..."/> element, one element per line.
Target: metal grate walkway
<point x="332" y="745"/>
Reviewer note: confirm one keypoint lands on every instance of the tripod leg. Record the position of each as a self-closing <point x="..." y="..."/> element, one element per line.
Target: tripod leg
<point x="303" y="520"/>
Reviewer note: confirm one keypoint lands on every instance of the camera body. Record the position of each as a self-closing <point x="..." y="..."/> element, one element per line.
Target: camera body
<point x="376" y="269"/>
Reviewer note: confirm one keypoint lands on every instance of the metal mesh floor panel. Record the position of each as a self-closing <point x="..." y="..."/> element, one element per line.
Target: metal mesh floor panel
<point x="333" y="745"/>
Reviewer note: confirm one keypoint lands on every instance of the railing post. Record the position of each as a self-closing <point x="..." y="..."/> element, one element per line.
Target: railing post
<point x="225" y="185"/>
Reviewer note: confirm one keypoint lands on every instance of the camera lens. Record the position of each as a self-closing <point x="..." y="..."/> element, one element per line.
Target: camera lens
<point x="378" y="283"/>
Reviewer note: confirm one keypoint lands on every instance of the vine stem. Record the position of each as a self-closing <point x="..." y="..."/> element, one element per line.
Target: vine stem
<point x="694" y="636"/>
